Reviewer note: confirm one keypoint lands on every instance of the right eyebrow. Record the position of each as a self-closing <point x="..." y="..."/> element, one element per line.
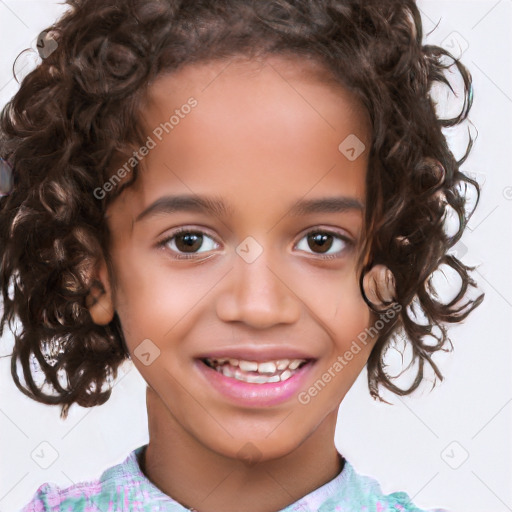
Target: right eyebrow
<point x="186" y="203"/>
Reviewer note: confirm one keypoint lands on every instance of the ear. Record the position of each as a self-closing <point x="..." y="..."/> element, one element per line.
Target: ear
<point x="99" y="301"/>
<point x="379" y="287"/>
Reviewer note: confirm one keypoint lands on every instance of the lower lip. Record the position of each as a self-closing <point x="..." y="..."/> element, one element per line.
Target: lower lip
<point x="247" y="394"/>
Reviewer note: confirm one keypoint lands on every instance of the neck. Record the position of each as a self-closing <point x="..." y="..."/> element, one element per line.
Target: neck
<point x="187" y="470"/>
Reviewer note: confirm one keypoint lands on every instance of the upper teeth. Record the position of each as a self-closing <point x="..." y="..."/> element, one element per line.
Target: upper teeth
<point x="263" y="367"/>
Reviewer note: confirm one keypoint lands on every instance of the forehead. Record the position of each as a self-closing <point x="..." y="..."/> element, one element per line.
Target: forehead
<point x="257" y="81"/>
<point x="270" y="127"/>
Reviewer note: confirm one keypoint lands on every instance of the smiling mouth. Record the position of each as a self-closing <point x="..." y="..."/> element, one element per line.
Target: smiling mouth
<point x="254" y="372"/>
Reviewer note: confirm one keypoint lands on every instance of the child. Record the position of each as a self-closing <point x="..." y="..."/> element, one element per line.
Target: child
<point x="169" y="171"/>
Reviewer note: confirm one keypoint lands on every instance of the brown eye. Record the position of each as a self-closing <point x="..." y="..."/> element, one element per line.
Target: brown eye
<point x="189" y="242"/>
<point x="327" y="243"/>
<point x="320" y="242"/>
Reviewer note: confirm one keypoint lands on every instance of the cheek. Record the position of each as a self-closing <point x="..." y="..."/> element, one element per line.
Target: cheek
<point x="350" y="328"/>
<point x="336" y="299"/>
<point x="343" y="314"/>
<point x="150" y="301"/>
<point x="345" y="317"/>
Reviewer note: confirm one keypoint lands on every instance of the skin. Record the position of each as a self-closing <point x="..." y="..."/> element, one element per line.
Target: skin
<point x="264" y="135"/>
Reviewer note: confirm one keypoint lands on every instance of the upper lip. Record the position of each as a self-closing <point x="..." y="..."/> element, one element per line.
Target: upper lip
<point x="258" y="354"/>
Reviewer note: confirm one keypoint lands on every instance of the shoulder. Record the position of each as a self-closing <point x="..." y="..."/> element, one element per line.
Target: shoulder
<point x="367" y="494"/>
<point x="104" y="493"/>
<point x="51" y="498"/>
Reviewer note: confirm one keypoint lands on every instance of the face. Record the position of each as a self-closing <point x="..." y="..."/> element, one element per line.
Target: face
<point x="239" y="240"/>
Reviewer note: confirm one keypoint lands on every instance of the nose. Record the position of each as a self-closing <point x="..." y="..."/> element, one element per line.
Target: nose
<point x="259" y="294"/>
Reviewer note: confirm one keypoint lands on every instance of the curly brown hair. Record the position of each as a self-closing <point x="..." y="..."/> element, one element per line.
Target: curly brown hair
<point x="78" y="110"/>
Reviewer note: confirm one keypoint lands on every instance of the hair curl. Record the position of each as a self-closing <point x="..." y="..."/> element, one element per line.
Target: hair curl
<point x="78" y="110"/>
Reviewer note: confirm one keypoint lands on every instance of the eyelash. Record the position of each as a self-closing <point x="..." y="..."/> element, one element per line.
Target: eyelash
<point x="347" y="241"/>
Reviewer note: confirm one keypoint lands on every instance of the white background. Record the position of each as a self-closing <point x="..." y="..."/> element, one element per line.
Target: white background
<point x="414" y="445"/>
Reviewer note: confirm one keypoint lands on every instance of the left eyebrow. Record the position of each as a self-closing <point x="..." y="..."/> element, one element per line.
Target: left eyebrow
<point x="326" y="205"/>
